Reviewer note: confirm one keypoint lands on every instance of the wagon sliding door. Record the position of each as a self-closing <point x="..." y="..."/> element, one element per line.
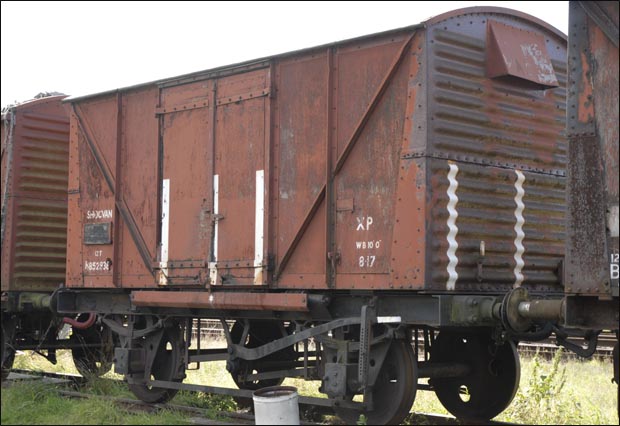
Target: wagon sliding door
<point x="186" y="167"/>
<point x="241" y="179"/>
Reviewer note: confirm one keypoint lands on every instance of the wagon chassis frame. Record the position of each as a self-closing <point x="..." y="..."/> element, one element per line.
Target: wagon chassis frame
<point x="512" y="316"/>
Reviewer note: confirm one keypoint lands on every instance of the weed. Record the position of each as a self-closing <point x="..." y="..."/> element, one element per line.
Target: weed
<point x="544" y="399"/>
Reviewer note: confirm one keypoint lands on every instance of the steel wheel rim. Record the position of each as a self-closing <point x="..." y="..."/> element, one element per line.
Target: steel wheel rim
<point x="166" y="367"/>
<point x="492" y="383"/>
<point x="394" y="391"/>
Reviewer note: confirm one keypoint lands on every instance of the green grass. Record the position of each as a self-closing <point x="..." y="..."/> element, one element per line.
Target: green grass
<point x="38" y="403"/>
<point x="560" y="391"/>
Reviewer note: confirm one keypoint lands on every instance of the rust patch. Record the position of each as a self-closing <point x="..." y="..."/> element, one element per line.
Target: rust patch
<point x="222" y="300"/>
<point x="586" y="106"/>
<point x="520" y="53"/>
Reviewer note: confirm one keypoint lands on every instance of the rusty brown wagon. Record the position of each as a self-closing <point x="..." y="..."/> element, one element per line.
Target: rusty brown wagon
<point x="351" y="194"/>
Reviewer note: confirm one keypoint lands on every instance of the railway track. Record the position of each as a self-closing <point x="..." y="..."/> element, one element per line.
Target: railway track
<point x="308" y="405"/>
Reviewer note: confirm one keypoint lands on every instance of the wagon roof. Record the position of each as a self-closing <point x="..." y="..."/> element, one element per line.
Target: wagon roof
<point x="261" y="62"/>
<point x="13" y="107"/>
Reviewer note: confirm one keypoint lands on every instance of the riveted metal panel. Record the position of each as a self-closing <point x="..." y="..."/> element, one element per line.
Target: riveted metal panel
<point x="97" y="136"/>
<point x="140" y="184"/>
<point x="187" y="170"/>
<point x="369" y="175"/>
<point x="241" y="156"/>
<point x="114" y="180"/>
<point x="300" y="150"/>
<point x="592" y="127"/>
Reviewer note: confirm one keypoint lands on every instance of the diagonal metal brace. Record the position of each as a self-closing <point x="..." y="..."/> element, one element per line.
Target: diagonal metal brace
<point x="251" y="354"/>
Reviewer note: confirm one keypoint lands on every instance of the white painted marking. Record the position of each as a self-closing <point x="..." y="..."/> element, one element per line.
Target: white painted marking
<point x="387" y="320"/>
<point x="216" y="210"/>
<point x="519" y="249"/>
<point x="452" y="244"/>
<point x="613" y="216"/>
<point x="99" y="214"/>
<point x="165" y="231"/>
<point x="368" y="245"/>
<point x="259" y="223"/>
<point x="367" y="261"/>
<point x="96" y="266"/>
<point x="363" y="223"/>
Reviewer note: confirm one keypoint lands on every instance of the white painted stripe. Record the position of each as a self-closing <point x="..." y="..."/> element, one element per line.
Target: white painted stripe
<point x="259" y="223"/>
<point x="452" y="244"/>
<point x="216" y="210"/>
<point x="519" y="249"/>
<point x="388" y="320"/>
<point x="612" y="221"/>
<point x="165" y="231"/>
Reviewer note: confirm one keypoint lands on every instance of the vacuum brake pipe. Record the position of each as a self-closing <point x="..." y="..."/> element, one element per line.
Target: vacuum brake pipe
<point x="81" y="325"/>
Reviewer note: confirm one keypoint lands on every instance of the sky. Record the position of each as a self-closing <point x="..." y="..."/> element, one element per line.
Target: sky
<point x="81" y="48"/>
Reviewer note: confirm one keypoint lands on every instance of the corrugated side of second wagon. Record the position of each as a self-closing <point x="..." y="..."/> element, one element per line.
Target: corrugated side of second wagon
<point x="35" y="146"/>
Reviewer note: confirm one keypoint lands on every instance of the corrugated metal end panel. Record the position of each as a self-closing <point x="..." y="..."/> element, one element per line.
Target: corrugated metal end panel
<point x="41" y="201"/>
<point x="4" y="204"/>
<point x="485" y="214"/>
<point x="492" y="130"/>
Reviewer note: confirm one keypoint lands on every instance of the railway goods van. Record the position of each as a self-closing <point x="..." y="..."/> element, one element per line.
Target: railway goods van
<point x="455" y="180"/>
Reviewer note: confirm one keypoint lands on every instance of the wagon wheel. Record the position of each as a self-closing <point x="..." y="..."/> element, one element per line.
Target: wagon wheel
<point x="92" y="360"/>
<point x="492" y="383"/>
<point x="260" y="333"/>
<point x="168" y="365"/>
<point x="394" y="391"/>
